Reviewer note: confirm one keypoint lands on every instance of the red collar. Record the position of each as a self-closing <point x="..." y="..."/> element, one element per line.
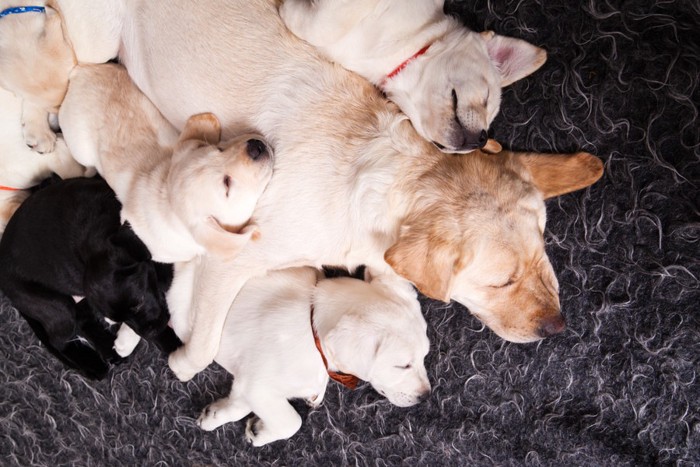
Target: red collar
<point x="9" y="188"/>
<point x="404" y="64"/>
<point x="349" y="381"/>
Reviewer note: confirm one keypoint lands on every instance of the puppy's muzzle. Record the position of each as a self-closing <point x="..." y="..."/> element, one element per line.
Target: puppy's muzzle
<point x="475" y="140"/>
<point x="463" y="140"/>
<point x="423" y="396"/>
<point x="257" y="149"/>
<point x="470" y="140"/>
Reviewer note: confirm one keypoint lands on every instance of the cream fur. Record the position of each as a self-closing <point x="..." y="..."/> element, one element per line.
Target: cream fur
<point x="20" y="167"/>
<point x="373" y="330"/>
<point x="37" y="52"/>
<point x="353" y="181"/>
<point x="451" y="93"/>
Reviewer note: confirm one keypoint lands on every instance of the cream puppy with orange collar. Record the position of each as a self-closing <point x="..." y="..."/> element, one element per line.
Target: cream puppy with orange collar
<point x="446" y="78"/>
<point x="22" y="168"/>
<point x="184" y="196"/>
<point x="372" y="329"/>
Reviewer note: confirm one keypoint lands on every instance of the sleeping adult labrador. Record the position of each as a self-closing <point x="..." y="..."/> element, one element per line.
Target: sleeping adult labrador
<point x="353" y="182"/>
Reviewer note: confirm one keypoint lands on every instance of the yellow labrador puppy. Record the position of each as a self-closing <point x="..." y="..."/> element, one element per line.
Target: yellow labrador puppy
<point x="183" y="196"/>
<point x="353" y="181"/>
<point x="37" y="52"/>
<point x="371" y="330"/>
<point x="38" y="49"/>
<point x="446" y="78"/>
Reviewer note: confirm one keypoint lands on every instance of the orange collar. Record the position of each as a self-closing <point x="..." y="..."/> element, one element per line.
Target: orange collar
<point x="349" y="381"/>
<point x="404" y="64"/>
<point x="9" y="188"/>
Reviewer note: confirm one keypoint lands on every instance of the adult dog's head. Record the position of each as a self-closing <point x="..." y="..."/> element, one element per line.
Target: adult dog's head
<point x="215" y="186"/>
<point x="455" y="93"/>
<point x="475" y="235"/>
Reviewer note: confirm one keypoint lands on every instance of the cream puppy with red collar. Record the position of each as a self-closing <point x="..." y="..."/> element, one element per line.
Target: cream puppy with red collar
<point x="372" y="330"/>
<point x="444" y="77"/>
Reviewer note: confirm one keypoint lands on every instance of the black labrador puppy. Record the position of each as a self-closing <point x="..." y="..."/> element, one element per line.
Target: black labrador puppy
<point x="67" y="240"/>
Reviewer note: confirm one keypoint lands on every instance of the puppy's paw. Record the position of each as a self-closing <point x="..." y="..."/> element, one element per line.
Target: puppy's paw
<point x="182" y="367"/>
<point x="208" y="419"/>
<point x="39" y="137"/>
<point x="126" y="341"/>
<point x="254" y="432"/>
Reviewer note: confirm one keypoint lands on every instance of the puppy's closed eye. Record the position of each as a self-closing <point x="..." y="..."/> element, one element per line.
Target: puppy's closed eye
<point x="404" y="367"/>
<point x="227" y="183"/>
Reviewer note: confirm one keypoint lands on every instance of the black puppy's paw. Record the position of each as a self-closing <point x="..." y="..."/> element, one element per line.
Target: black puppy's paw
<point x="85" y="359"/>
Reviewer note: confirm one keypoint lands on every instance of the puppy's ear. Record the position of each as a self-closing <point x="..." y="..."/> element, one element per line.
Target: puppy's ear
<point x="126" y="245"/>
<point x="221" y="242"/>
<point x="351" y="346"/>
<point x="558" y="174"/>
<point x="202" y="127"/>
<point x="426" y="258"/>
<point x="514" y="58"/>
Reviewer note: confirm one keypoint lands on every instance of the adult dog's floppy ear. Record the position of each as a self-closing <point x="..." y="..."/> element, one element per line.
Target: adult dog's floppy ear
<point x="203" y="127"/>
<point x="558" y="174"/>
<point x="426" y="258"/>
<point x="221" y="242"/>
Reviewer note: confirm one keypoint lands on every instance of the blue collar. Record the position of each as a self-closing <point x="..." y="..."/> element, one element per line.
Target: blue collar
<point x="22" y="9"/>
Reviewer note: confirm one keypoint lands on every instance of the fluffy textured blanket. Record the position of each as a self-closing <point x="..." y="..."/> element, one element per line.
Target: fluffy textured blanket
<point x="619" y="387"/>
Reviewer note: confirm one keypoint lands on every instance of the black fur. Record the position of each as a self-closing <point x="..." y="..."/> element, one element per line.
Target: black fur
<point x="67" y="240"/>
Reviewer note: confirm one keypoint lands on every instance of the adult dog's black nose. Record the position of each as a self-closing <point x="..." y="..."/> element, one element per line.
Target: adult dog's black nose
<point x="256" y="149"/>
<point x="551" y="326"/>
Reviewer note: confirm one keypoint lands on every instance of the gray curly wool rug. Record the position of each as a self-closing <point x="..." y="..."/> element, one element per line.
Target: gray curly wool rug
<point x="619" y="387"/>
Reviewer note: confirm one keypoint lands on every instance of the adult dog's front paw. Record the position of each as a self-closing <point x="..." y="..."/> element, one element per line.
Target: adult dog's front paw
<point x="181" y="365"/>
<point x="39" y="137"/>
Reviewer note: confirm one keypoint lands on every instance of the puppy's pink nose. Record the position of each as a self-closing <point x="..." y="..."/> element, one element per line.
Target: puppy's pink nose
<point x="551" y="325"/>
